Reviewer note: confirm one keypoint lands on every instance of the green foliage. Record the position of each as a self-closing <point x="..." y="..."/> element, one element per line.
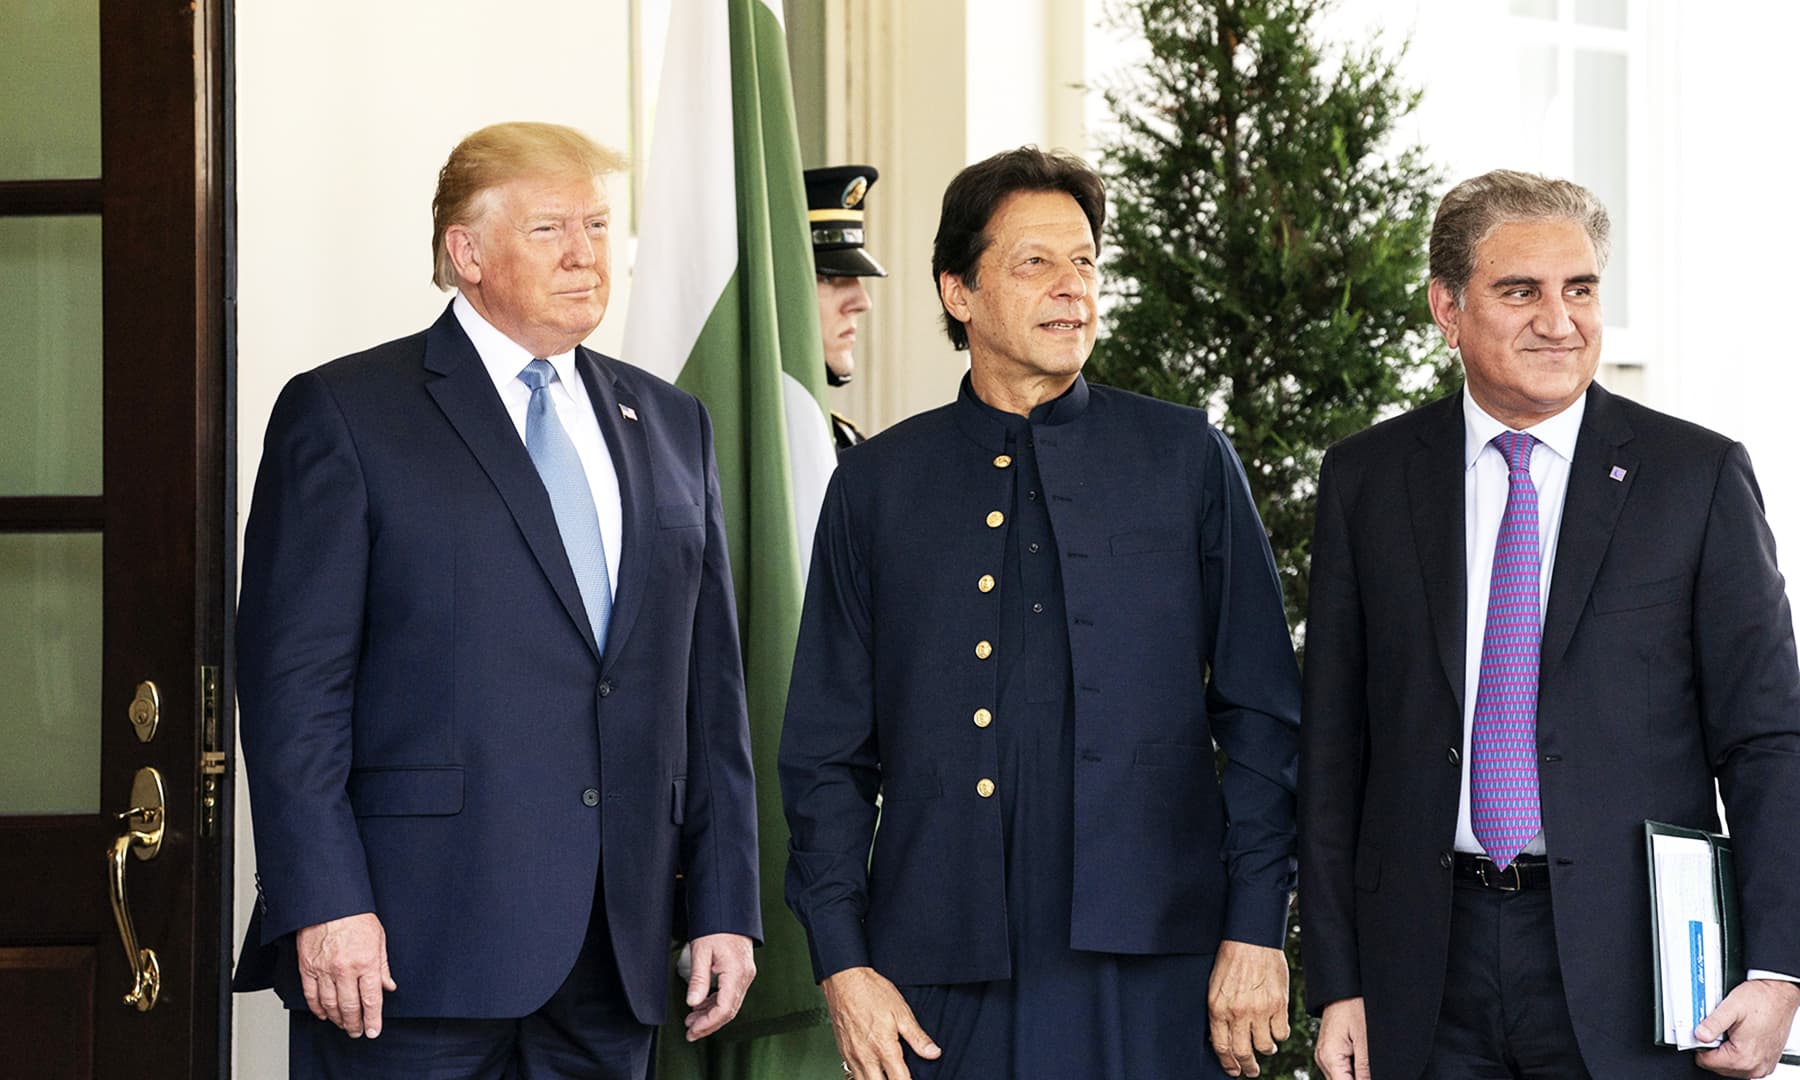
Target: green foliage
<point x="1266" y="251"/>
<point x="1266" y="260"/>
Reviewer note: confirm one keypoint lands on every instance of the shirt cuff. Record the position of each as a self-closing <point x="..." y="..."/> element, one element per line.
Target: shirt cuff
<point x="1256" y="915"/>
<point x="1758" y="973"/>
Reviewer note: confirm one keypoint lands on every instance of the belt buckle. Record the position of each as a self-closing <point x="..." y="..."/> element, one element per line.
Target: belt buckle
<point x="1499" y="881"/>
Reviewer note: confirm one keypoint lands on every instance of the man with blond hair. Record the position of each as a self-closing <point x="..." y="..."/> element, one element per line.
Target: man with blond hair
<point x="1540" y="615"/>
<point x="488" y="667"/>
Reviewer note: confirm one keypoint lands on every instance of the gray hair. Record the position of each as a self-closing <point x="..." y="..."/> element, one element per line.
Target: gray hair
<point x="1476" y="207"/>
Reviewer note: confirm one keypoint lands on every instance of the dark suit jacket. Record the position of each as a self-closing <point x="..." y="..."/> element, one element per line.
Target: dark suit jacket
<point x="1667" y="660"/>
<point x="1177" y="638"/>
<point x="429" y="730"/>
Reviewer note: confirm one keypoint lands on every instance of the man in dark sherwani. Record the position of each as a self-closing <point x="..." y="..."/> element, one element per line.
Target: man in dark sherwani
<point x="1031" y="615"/>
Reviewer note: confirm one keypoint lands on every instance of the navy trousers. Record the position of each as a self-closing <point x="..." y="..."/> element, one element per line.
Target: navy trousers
<point x="1505" y="1015"/>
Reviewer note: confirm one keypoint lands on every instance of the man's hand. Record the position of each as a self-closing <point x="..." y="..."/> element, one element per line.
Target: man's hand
<point x="731" y="958"/>
<point x="1754" y="1020"/>
<point x="869" y="1018"/>
<point x="343" y="970"/>
<point x="1247" y="1004"/>
<point x="1342" y="1048"/>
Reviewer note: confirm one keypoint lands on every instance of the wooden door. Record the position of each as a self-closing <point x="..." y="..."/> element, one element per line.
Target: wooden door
<point x="113" y="536"/>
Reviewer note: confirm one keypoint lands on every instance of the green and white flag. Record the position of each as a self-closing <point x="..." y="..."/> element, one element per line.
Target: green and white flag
<point x="723" y="303"/>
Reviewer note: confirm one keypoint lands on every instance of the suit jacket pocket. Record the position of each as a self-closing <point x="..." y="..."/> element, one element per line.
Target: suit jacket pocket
<point x="1143" y="541"/>
<point x="407" y="791"/>
<point x="678" y="801"/>
<point x="1634" y="597"/>
<point x="680" y="515"/>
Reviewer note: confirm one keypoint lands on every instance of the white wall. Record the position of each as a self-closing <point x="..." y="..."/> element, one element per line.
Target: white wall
<point x="346" y="110"/>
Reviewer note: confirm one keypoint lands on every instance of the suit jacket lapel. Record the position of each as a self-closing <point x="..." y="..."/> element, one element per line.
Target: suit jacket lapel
<point x="1434" y="487"/>
<point x="628" y="443"/>
<point x="465" y="394"/>
<point x="1590" y="513"/>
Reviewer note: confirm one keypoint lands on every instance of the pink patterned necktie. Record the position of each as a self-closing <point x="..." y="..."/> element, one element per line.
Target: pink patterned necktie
<point x="1503" y="780"/>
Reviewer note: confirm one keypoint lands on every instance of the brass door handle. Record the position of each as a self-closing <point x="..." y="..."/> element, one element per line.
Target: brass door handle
<point x="142" y="837"/>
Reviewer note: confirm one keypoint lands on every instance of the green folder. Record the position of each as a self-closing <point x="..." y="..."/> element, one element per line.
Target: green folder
<point x="1725" y="902"/>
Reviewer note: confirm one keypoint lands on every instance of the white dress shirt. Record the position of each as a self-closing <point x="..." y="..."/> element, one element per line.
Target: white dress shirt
<point x="504" y="358"/>
<point x="1485" y="483"/>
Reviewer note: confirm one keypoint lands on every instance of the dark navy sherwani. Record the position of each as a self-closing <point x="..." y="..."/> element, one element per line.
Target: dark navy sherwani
<point x="1175" y="638"/>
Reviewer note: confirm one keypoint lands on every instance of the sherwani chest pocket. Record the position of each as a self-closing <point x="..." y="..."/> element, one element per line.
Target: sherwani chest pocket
<point x="1146" y="541"/>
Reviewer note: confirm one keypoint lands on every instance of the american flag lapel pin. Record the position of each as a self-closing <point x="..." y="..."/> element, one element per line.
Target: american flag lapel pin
<point x="1617" y="473"/>
<point x="630" y="413"/>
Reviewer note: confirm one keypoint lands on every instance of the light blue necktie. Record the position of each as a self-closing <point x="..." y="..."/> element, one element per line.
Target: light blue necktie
<point x="553" y="452"/>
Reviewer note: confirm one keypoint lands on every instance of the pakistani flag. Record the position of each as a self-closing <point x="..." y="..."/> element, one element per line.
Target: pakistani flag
<point x="723" y="303"/>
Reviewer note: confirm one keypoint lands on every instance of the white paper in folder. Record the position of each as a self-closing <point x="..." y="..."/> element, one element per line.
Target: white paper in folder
<point x="1693" y="970"/>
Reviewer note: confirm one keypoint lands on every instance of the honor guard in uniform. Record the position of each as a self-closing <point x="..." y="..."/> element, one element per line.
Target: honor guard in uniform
<point x="834" y="209"/>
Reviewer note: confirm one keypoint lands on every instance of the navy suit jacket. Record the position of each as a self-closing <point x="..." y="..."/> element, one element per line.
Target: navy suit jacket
<point x="1667" y="661"/>
<point x="429" y="731"/>
<point x="1177" y="637"/>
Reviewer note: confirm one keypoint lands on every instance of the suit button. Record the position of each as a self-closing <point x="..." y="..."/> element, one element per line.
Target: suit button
<point x="986" y="584"/>
<point x="995" y="519"/>
<point x="590" y="797"/>
<point x="1445" y="861"/>
<point x="983" y="718"/>
<point x="606" y="687"/>
<point x="1002" y="461"/>
<point x="983" y="650"/>
<point x="1453" y="756"/>
<point x="984" y="788"/>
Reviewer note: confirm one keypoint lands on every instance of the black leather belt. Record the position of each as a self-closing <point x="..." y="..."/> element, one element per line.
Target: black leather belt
<point x="1525" y="872"/>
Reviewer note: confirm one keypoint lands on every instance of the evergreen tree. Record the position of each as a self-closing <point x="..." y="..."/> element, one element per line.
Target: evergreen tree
<point x="1266" y="251"/>
<point x="1266" y="260"/>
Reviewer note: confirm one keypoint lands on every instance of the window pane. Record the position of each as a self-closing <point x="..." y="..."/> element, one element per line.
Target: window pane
<point x="1535" y="9"/>
<point x="1537" y="88"/>
<point x="1600" y="159"/>
<point x="1607" y="13"/>
<point x="50" y="615"/>
<point x="50" y="110"/>
<point x="50" y="356"/>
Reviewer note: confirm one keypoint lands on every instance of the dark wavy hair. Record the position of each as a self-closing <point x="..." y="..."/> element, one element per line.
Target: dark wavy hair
<point x="977" y="191"/>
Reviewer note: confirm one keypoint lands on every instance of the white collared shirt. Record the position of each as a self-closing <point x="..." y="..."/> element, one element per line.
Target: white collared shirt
<point x="1485" y="483"/>
<point x="504" y="358"/>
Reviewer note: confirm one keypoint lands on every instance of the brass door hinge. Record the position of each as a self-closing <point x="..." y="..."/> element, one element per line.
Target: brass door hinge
<point x="212" y="751"/>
